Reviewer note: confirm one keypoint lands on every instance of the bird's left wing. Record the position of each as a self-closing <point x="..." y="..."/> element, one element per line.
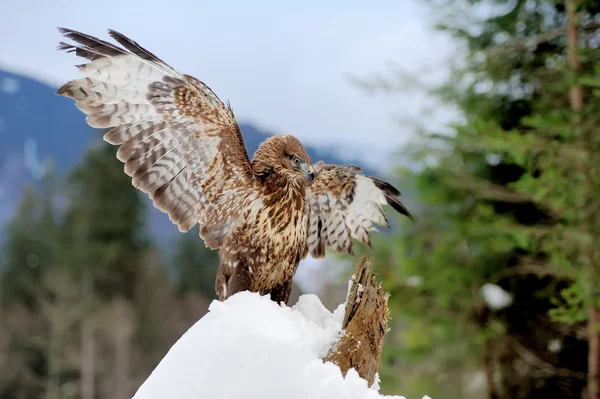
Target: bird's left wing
<point x="343" y="204"/>
<point x="180" y="144"/>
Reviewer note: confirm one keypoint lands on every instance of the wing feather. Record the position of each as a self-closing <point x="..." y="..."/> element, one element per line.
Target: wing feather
<point x="343" y="204"/>
<point x="180" y="144"/>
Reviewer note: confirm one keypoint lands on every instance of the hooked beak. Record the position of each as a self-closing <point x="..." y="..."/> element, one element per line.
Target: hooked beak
<point x="308" y="172"/>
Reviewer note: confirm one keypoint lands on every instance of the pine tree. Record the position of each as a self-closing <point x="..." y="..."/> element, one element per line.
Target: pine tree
<point x="35" y="296"/>
<point x="196" y="266"/>
<point x="512" y="201"/>
<point x="32" y="243"/>
<point x="105" y="223"/>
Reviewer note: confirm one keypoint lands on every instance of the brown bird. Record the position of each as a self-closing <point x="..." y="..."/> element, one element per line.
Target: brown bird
<point x="183" y="147"/>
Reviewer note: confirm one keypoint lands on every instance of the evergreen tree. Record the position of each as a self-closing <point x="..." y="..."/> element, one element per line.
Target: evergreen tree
<point x="77" y="262"/>
<point x="31" y="244"/>
<point x="105" y="223"/>
<point x="512" y="201"/>
<point x="196" y="265"/>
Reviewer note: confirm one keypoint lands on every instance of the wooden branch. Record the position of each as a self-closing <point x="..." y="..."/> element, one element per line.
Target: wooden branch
<point x="496" y="192"/>
<point x="534" y="41"/>
<point x="530" y="357"/>
<point x="530" y="266"/>
<point x="365" y="325"/>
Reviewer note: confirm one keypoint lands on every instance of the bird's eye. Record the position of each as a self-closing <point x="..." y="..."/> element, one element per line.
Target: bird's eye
<point x="296" y="161"/>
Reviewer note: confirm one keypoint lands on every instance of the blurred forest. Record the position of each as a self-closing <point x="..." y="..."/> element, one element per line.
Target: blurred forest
<point x="509" y="201"/>
<point x="87" y="308"/>
<point x="511" y="207"/>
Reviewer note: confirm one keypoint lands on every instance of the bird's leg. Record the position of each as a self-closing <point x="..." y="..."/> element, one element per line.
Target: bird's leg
<point x="222" y="281"/>
<point x="233" y="279"/>
<point x="281" y="292"/>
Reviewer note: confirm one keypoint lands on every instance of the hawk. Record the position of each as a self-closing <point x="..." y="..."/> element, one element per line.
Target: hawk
<point x="182" y="146"/>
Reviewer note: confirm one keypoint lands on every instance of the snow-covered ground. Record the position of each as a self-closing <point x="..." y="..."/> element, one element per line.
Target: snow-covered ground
<point x="250" y="347"/>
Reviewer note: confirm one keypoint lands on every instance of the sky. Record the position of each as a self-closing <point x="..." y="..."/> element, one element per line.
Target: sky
<point x="284" y="66"/>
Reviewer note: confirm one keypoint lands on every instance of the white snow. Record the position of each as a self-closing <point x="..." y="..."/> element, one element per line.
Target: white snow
<point x="359" y="292"/>
<point x="495" y="297"/>
<point x="249" y="347"/>
<point x="554" y="345"/>
<point x="414" y="281"/>
<point x="493" y="159"/>
<point x="476" y="381"/>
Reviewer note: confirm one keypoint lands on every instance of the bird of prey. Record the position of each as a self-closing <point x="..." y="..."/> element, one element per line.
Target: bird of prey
<point x="183" y="147"/>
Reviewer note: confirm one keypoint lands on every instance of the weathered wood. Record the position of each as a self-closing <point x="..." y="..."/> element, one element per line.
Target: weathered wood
<point x="365" y="325"/>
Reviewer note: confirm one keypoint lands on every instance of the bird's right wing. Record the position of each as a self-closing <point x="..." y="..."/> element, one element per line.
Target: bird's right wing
<point x="180" y="144"/>
<point x="343" y="204"/>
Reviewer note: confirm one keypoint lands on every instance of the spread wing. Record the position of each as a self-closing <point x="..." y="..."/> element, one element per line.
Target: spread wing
<point x="180" y="144"/>
<point x="343" y="204"/>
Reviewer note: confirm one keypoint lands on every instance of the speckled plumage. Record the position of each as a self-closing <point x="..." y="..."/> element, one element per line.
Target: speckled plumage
<point x="183" y="147"/>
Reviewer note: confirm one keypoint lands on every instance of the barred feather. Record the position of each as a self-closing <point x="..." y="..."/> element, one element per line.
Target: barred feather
<point x="171" y="130"/>
<point x="343" y="204"/>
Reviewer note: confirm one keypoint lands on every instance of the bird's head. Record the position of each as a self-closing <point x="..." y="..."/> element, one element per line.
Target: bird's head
<point x="285" y="156"/>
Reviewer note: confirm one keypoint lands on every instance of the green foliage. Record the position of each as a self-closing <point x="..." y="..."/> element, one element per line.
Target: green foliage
<point x="511" y="199"/>
<point x="105" y="223"/>
<point x="196" y="266"/>
<point x="84" y="291"/>
<point x="569" y="305"/>
<point x="31" y="245"/>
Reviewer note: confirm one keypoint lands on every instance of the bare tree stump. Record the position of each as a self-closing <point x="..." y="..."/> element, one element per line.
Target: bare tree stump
<point x="365" y="325"/>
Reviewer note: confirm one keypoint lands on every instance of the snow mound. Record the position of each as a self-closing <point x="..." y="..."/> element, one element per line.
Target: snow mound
<point x="250" y="347"/>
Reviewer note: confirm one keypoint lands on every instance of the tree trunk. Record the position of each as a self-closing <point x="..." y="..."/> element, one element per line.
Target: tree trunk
<point x="593" y="391"/>
<point x="58" y="320"/>
<point x="365" y="325"/>
<point x="488" y="364"/>
<point x="122" y="315"/>
<point x="576" y="91"/>
<point x="87" y="359"/>
<point x="52" y="381"/>
<point x="576" y="100"/>
<point x="88" y="342"/>
<point x="121" y="376"/>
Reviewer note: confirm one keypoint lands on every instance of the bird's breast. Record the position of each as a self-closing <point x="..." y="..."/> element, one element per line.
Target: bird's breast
<point x="282" y="228"/>
<point x="280" y="238"/>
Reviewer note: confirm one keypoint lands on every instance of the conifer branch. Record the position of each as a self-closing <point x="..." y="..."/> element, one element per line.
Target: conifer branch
<point x="534" y="41"/>
<point x="490" y="191"/>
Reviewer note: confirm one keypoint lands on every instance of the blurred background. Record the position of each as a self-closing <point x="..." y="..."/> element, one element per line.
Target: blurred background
<point x="483" y="113"/>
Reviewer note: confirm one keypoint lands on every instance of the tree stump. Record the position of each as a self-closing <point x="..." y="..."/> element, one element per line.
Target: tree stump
<point x="365" y="324"/>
